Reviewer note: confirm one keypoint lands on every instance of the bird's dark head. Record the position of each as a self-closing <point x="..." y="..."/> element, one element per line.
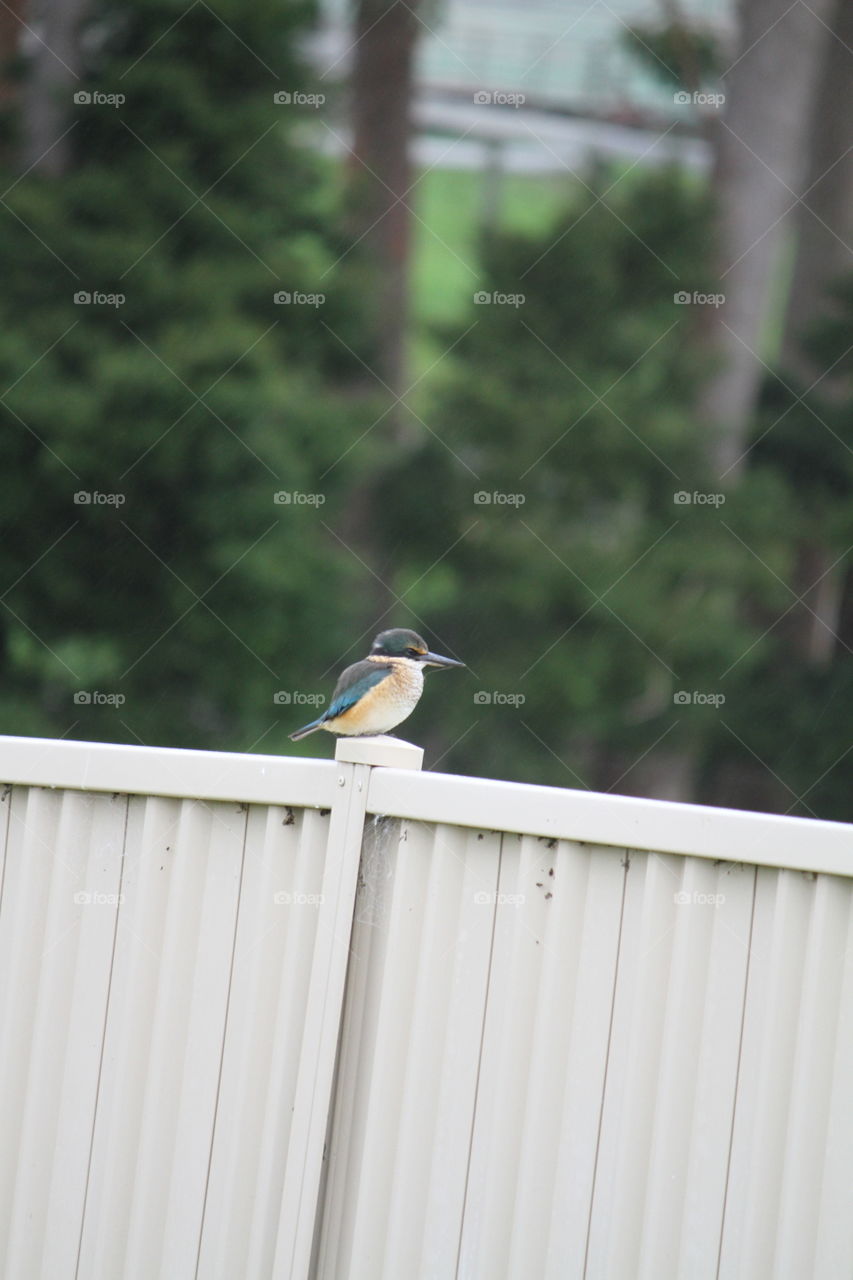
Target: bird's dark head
<point x="401" y="643"/>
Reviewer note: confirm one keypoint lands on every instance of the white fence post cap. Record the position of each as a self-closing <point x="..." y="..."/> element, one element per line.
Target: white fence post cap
<point x="383" y="750"/>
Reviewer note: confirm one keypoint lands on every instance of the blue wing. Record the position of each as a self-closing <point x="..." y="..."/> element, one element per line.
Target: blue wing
<point x="354" y="684"/>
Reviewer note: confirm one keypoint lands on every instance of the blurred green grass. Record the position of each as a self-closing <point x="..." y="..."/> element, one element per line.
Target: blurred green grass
<point x="450" y="208"/>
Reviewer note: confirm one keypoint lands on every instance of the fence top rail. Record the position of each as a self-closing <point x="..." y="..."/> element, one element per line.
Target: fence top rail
<point x="626" y="822"/>
<point x="733" y="835"/>
<point x="167" y="771"/>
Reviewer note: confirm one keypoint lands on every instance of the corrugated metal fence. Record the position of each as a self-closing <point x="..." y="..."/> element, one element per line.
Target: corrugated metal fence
<point x="249" y="1028"/>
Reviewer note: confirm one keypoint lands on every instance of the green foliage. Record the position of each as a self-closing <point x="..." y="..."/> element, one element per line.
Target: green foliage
<point x="190" y="404"/>
<point x="799" y="705"/>
<point x="677" y="54"/>
<point x="587" y="588"/>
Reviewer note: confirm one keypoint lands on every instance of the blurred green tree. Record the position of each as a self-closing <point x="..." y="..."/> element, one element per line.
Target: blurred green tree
<point x="617" y="607"/>
<point x="159" y="390"/>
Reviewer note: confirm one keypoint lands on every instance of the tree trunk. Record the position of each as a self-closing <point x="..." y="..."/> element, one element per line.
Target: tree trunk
<point x="379" y="221"/>
<point x="55" y="64"/>
<point x="380" y="173"/>
<point x="824" y="220"/>
<point x="760" y="163"/>
<point x="824" y="223"/>
<point x="11" y="29"/>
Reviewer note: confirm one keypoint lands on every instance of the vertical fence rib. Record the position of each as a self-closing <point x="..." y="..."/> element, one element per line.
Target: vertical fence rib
<point x="299" y="1200"/>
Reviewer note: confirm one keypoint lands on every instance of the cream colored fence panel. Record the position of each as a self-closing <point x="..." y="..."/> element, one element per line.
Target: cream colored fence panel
<point x="156" y="955"/>
<point x="543" y="1061"/>
<point x="281" y="895"/>
<point x="62" y="878"/>
<point x="163" y="1043"/>
<point x="672" y="1070"/>
<point x="665" y="1080"/>
<point x="788" y="1211"/>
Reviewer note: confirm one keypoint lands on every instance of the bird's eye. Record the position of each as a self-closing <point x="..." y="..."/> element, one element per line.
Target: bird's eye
<point x="412" y="653"/>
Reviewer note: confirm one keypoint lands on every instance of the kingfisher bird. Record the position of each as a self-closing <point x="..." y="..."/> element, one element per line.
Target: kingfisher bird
<point x="378" y="693"/>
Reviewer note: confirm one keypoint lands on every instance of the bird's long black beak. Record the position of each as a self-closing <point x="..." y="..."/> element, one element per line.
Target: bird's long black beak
<point x="436" y="660"/>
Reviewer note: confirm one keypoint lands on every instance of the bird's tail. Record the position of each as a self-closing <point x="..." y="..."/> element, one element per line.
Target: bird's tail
<point x="305" y="730"/>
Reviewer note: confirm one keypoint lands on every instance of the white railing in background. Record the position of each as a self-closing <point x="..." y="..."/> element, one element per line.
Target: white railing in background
<point x="265" y="1017"/>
